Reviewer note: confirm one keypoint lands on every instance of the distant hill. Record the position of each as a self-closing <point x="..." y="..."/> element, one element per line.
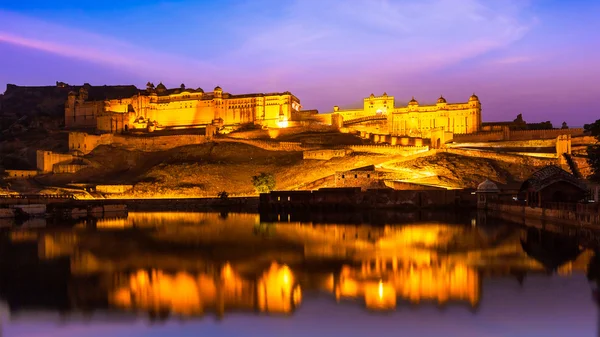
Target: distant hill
<point x="27" y="104"/>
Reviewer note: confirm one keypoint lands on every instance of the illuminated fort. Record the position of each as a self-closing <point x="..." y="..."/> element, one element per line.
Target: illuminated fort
<point x="123" y="108"/>
<point x="417" y="120"/>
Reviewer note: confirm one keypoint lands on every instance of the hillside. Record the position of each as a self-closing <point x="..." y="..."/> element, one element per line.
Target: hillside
<point x="207" y="169"/>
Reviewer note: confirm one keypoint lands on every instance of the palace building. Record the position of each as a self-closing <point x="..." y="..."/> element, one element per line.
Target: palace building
<point x="417" y="120"/>
<point x="123" y="108"/>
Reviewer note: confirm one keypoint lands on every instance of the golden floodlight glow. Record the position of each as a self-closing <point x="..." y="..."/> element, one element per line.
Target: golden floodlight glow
<point x="283" y="123"/>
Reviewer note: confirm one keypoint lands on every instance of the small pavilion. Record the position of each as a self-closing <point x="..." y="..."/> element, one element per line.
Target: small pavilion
<point x="552" y="184"/>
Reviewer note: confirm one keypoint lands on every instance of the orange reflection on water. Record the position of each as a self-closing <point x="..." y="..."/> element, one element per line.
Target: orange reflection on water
<point x="440" y="282"/>
<point x="186" y="294"/>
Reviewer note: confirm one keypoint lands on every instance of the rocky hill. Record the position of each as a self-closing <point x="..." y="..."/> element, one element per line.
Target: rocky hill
<point x="207" y="169"/>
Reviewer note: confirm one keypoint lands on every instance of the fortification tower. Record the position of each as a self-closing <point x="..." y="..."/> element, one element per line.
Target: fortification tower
<point x="379" y="104"/>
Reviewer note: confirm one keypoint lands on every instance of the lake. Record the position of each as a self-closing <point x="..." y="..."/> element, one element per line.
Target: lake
<point x="347" y="274"/>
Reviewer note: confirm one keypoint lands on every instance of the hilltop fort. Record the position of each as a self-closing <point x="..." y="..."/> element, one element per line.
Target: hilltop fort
<point x="188" y="142"/>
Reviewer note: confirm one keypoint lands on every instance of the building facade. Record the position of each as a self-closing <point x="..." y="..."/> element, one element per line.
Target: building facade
<point x="159" y="107"/>
<point x="417" y="120"/>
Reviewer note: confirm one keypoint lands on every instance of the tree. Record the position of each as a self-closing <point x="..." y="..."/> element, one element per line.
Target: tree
<point x="264" y="182"/>
<point x="223" y="195"/>
<point x="593" y="151"/>
<point x="564" y="125"/>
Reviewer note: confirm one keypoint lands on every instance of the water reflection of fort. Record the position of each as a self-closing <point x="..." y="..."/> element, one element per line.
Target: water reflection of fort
<point x="190" y="264"/>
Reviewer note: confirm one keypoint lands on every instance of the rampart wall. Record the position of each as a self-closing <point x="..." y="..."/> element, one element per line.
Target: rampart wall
<point x="158" y="143"/>
<point x="113" y="189"/>
<point x="21" y="174"/>
<point x="512" y="135"/>
<point x="508" y="144"/>
<point x="45" y="160"/>
<point x="324" y="154"/>
<point x="408" y="186"/>
<point x="508" y="158"/>
<point x="389" y="149"/>
<point x="86" y="143"/>
<point x="362" y="179"/>
<point x="68" y="168"/>
<point x="266" y="145"/>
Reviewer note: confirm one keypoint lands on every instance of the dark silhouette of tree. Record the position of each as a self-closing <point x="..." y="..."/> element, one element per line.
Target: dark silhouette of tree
<point x="264" y="182"/>
<point x="593" y="151"/>
<point x="564" y="125"/>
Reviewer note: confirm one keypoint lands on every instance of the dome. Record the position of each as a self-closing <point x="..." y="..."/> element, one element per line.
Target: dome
<point x="413" y="101"/>
<point x="200" y="90"/>
<point x="487" y="186"/>
<point x="441" y="99"/>
<point x="218" y="88"/>
<point x="473" y="98"/>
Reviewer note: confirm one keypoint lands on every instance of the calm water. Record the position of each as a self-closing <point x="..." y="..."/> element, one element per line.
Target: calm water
<point x="203" y="274"/>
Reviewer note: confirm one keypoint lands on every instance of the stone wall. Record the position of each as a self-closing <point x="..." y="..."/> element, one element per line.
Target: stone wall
<point x="336" y="198"/>
<point x="507" y="135"/>
<point x="47" y="159"/>
<point x="389" y="149"/>
<point x="113" y="189"/>
<point x="505" y="157"/>
<point x="508" y="144"/>
<point x="407" y="186"/>
<point x="20" y="174"/>
<point x="86" y="143"/>
<point x="363" y="179"/>
<point x="157" y="143"/>
<point x="479" y="137"/>
<point x="68" y="168"/>
<point x="266" y="145"/>
<point x="325" y="154"/>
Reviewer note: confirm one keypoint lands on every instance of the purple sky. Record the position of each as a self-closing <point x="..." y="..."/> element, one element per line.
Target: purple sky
<point x="536" y="57"/>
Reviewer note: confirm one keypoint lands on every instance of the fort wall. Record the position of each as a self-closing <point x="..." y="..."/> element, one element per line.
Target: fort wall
<point x="407" y="186"/>
<point x="47" y="159"/>
<point x="159" y="143"/>
<point x="267" y="145"/>
<point x="68" y="168"/>
<point x="508" y="144"/>
<point x="516" y="135"/>
<point x="508" y="158"/>
<point x="325" y="154"/>
<point x="354" y="197"/>
<point x="86" y="143"/>
<point x="20" y="174"/>
<point x="362" y="179"/>
<point x="389" y="149"/>
<point x="113" y="189"/>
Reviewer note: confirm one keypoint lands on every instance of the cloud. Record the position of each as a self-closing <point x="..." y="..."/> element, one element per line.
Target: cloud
<point x="77" y="44"/>
<point x="296" y="44"/>
<point x="512" y="60"/>
<point x="378" y="37"/>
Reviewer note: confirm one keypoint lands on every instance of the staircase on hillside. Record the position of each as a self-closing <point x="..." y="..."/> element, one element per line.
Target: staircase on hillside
<point x="572" y="165"/>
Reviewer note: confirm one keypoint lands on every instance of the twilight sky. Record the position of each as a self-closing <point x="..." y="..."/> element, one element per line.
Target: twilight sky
<point x="536" y="57"/>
